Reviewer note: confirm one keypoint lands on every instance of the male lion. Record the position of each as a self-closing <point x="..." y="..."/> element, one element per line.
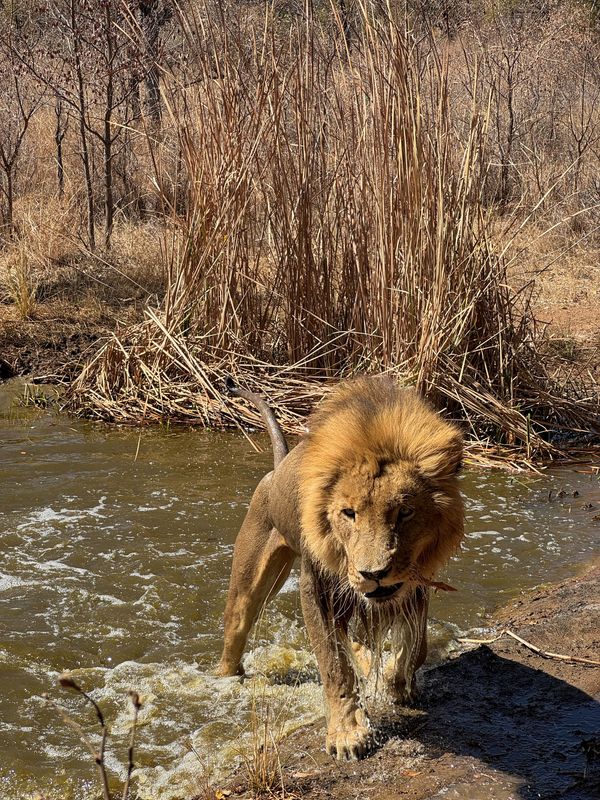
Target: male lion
<point x="369" y="501"/>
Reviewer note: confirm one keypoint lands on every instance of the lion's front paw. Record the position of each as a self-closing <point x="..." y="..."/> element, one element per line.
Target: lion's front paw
<point x="349" y="741"/>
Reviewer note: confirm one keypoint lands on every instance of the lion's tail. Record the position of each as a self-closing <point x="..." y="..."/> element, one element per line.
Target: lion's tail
<point x="280" y="446"/>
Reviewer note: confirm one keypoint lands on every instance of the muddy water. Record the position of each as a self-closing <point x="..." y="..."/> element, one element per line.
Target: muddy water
<point x="115" y="550"/>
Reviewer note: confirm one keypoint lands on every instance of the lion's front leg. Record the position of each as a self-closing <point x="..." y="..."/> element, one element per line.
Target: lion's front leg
<point x="409" y="643"/>
<point x="349" y="734"/>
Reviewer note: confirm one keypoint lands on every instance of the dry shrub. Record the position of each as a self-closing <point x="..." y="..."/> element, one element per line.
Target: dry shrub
<point x="20" y="284"/>
<point x="334" y="224"/>
<point x="45" y="230"/>
<point x="30" y="262"/>
<point x="538" y="68"/>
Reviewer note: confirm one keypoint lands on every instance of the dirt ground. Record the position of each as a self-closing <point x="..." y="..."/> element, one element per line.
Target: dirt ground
<point x="54" y="344"/>
<point x="496" y="722"/>
<point x="566" y="289"/>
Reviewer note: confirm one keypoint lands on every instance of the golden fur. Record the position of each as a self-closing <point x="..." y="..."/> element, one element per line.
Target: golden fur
<point x="369" y="500"/>
<point x="363" y="428"/>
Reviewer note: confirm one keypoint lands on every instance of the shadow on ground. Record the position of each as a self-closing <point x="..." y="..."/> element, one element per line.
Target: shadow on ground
<point x="542" y="733"/>
<point x="498" y="722"/>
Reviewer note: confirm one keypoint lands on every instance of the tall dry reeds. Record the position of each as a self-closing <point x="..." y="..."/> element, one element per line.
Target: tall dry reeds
<point x="332" y="223"/>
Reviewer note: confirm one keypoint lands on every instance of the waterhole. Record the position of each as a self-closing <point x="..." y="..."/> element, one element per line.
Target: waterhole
<point x="116" y="546"/>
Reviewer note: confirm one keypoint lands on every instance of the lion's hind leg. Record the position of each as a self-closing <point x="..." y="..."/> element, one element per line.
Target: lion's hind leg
<point x="261" y="564"/>
<point x="362" y="657"/>
<point x="409" y="647"/>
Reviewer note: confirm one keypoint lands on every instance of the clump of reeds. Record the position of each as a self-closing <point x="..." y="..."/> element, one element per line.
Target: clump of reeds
<point x="334" y="224"/>
<point x="21" y="284"/>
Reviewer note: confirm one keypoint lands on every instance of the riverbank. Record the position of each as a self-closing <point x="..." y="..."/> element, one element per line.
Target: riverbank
<point x="79" y="304"/>
<point x="72" y="308"/>
<point x="66" y="330"/>
<point x="495" y="721"/>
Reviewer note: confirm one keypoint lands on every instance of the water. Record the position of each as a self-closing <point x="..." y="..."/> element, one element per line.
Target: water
<point x="116" y="547"/>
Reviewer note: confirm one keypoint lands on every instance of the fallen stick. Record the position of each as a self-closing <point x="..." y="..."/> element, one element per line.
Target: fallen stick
<point x="438" y="585"/>
<point x="544" y="653"/>
<point x="135" y="700"/>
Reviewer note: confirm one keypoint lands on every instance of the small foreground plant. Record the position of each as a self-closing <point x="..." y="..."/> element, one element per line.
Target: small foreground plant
<point x="67" y="682"/>
<point x="262" y="761"/>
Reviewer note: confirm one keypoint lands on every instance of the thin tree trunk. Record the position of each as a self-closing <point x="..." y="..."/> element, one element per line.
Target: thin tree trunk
<point x="150" y="21"/>
<point x="59" y="135"/>
<point x="85" y="154"/>
<point x="109" y="207"/>
<point x="9" y="225"/>
<point x="134" y="98"/>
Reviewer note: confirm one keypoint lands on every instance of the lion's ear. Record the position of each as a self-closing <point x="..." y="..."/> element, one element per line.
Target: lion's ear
<point x="443" y="456"/>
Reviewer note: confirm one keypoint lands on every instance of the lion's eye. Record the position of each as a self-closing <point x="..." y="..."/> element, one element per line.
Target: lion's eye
<point x="405" y="513"/>
<point x="349" y="512"/>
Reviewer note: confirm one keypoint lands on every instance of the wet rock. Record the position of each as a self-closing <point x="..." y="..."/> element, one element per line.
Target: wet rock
<point x="6" y="370"/>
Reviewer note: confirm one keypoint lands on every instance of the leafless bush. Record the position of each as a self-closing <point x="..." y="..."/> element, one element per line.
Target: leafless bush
<point x="97" y="752"/>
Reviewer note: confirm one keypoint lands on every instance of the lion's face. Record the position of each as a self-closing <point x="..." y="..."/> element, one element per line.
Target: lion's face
<point x="385" y="521"/>
<point x="380" y="500"/>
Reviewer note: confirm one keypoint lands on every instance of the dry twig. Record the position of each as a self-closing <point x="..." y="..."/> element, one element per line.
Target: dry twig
<point x="67" y="682"/>
<point x="544" y="653"/>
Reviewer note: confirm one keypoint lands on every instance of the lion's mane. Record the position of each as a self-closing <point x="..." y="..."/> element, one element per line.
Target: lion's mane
<point x="359" y="428"/>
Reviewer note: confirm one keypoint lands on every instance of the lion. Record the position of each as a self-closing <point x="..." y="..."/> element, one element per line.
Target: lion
<point x="369" y="501"/>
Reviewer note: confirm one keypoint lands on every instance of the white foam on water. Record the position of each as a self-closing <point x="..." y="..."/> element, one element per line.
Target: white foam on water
<point x="188" y="711"/>
<point x="10" y="581"/>
<point x="291" y="585"/>
<point x="53" y="566"/>
<point x="110" y="599"/>
<point x="155" y="508"/>
<point x="48" y="514"/>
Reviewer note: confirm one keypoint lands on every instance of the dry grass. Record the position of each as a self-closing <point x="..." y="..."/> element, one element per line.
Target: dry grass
<point x="309" y="211"/>
<point x="20" y="283"/>
<point x="335" y="225"/>
<point x="262" y="759"/>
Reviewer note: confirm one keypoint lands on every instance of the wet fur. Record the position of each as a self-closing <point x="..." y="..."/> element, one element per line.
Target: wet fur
<point x="386" y="453"/>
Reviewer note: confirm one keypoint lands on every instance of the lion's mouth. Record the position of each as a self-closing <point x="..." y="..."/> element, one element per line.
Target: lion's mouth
<point x="383" y="592"/>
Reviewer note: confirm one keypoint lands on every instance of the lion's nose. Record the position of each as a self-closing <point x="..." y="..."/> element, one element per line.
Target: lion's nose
<point x="375" y="576"/>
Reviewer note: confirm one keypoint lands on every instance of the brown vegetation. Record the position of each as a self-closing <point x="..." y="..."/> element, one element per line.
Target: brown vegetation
<point x="333" y="189"/>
